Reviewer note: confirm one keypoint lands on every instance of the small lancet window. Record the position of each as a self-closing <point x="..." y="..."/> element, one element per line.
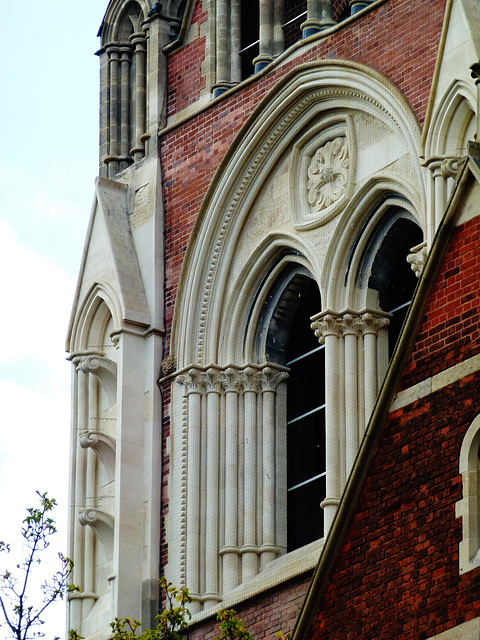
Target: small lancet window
<point x="290" y="341"/>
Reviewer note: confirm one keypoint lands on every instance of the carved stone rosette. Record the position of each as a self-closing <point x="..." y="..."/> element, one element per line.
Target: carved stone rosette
<point x="328" y="174"/>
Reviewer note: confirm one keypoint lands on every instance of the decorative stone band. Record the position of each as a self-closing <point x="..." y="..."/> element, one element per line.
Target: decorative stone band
<point x="233" y="445"/>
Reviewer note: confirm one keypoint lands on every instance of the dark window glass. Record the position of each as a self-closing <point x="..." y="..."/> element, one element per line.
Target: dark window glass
<point x="305" y="425"/>
<point x="249" y="35"/>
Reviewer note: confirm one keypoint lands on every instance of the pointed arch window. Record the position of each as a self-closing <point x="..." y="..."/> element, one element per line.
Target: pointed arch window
<point x="291" y="342"/>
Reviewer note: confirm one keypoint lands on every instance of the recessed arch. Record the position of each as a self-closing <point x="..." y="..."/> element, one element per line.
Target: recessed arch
<point x="121" y="19"/>
<point x="453" y="122"/>
<point x="99" y="308"/>
<point x="283" y="116"/>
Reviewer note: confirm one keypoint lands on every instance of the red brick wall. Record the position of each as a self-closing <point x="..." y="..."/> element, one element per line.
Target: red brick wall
<point x="185" y="79"/>
<point x="450" y="330"/>
<point x="264" y="615"/>
<point x="396" y="575"/>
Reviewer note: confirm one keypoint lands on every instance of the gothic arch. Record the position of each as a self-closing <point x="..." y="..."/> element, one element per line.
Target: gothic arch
<point x="453" y="121"/>
<point x="115" y="27"/>
<point x="271" y="221"/>
<point x="371" y="203"/>
<point x="99" y="307"/>
<point x="298" y="104"/>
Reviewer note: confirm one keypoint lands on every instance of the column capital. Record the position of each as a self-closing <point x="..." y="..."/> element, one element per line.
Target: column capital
<point x="270" y="378"/>
<point x="213" y="380"/>
<point x="193" y="380"/>
<point x="327" y="323"/>
<point x="251" y="379"/>
<point x="373" y="321"/>
<point x="231" y="380"/>
<point x="351" y="324"/>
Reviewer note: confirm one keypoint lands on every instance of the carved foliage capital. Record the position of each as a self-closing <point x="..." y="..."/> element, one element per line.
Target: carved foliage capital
<point x="193" y="381"/>
<point x="327" y="325"/>
<point x="231" y="380"/>
<point x="270" y="378"/>
<point x="372" y="323"/>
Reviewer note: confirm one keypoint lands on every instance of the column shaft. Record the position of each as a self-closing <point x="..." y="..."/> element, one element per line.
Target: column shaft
<point x="193" y="505"/>
<point x="230" y="554"/>
<point x="269" y="550"/>
<point x="211" y="519"/>
<point x="351" y="400"/>
<point x="124" y="108"/>
<point x="138" y="151"/>
<point x="249" y="557"/>
<point x="114" y="108"/>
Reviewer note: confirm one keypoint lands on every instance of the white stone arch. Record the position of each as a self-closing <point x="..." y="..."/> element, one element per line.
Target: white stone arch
<point x="280" y="120"/>
<point x="99" y="307"/>
<point x="452" y="123"/>
<point x="468" y="508"/>
<point x="240" y="318"/>
<point x="362" y="215"/>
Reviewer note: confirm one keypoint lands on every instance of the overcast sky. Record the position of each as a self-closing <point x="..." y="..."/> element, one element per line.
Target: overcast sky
<point x="48" y="163"/>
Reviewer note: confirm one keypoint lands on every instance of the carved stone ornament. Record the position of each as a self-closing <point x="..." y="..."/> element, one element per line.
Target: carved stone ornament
<point x="328" y="174"/>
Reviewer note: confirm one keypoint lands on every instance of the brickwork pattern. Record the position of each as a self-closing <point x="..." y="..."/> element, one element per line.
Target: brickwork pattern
<point x="396" y="575"/>
<point x="450" y="331"/>
<point x="264" y="615"/>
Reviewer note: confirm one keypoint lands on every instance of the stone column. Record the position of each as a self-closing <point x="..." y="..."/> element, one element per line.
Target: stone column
<point x="328" y="330"/>
<point x="270" y="379"/>
<point x="442" y="168"/>
<point x="250" y="549"/>
<point x="319" y="17"/>
<point x="114" y="148"/>
<point x="278" y="21"/>
<point x="371" y="324"/>
<point x="351" y="332"/>
<point x="222" y="58"/>
<point x="90" y="501"/>
<point x="231" y="383"/>
<point x="193" y="381"/>
<point x="79" y="534"/>
<point x="235" y="19"/>
<point x="125" y="159"/>
<point x="213" y="386"/>
<point x="139" y="44"/>
<point x="265" y="48"/>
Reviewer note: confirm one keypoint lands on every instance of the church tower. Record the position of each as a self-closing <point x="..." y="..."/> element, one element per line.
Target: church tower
<point x="272" y="176"/>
